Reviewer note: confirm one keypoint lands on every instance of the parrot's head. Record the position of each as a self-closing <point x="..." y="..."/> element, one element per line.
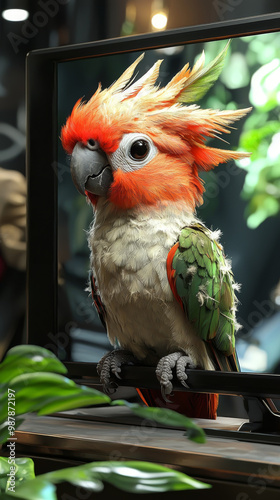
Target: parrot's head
<point x="138" y="144"/>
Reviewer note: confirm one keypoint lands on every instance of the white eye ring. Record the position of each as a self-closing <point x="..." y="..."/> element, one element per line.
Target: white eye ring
<point x="131" y="146"/>
<point x="92" y="145"/>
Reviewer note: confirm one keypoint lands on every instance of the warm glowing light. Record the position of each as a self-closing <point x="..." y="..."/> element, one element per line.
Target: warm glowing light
<point x="15" y="15"/>
<point x="159" y="20"/>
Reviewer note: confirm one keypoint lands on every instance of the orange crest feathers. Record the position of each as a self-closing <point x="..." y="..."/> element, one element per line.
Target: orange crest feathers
<point x="141" y="105"/>
<point x="177" y="129"/>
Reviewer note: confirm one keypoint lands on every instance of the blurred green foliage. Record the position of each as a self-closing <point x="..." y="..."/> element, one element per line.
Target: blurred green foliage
<point x="251" y="77"/>
<point x="261" y="131"/>
<point x="27" y="373"/>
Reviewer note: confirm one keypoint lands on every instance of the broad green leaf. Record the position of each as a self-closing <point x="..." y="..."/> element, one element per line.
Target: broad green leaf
<point x="144" y="477"/>
<point x="167" y="417"/>
<point x="35" y="489"/>
<point x="24" y="470"/>
<point x="85" y="396"/>
<point x="50" y="392"/>
<point x="84" y="476"/>
<point x="41" y="392"/>
<point x="265" y="86"/>
<point x="4" y="431"/>
<point x="29" y="358"/>
<point x="134" y="477"/>
<point x="250" y="140"/>
<point x="260" y="208"/>
<point x="4" y="469"/>
<point x="4" y="465"/>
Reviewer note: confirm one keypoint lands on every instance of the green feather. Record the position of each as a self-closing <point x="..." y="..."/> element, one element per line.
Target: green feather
<point x="189" y="256"/>
<point x="201" y="246"/>
<point x="179" y="263"/>
<point x="226" y="297"/>
<point x="204" y="318"/>
<point x="213" y="294"/>
<point x="206" y="288"/>
<point x="213" y="327"/>
<point x="224" y="341"/>
<point x="199" y="258"/>
<point x="180" y="287"/>
<point x="208" y="264"/>
<point x="201" y="80"/>
<point x="185" y="239"/>
<point x="193" y="303"/>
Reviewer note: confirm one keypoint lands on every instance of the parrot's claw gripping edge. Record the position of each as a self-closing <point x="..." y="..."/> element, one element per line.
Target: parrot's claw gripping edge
<point x="178" y="360"/>
<point x="184" y="362"/>
<point x="110" y="364"/>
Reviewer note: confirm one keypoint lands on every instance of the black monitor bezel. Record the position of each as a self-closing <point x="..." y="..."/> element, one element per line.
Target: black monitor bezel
<point x="42" y="134"/>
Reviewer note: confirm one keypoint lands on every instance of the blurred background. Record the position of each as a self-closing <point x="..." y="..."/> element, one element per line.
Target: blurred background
<point x="252" y="198"/>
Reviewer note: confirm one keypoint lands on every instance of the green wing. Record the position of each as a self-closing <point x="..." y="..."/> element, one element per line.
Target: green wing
<point x="205" y="285"/>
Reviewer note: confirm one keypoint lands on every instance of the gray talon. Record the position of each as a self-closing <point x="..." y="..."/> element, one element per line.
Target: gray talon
<point x="110" y="388"/>
<point x="184" y="384"/>
<point x="110" y="364"/>
<point x="183" y="363"/>
<point x="164" y="394"/>
<point x="178" y="360"/>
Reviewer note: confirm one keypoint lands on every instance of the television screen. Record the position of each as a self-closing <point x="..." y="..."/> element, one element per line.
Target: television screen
<point x="241" y="198"/>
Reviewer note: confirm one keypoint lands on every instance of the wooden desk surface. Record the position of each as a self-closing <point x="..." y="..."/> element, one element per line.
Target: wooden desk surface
<point x="115" y="433"/>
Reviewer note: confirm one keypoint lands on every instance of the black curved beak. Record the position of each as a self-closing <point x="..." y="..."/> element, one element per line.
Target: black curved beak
<point x="90" y="170"/>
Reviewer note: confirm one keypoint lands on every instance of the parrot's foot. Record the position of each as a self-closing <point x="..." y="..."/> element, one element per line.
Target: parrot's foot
<point x="164" y="373"/>
<point x="110" y="364"/>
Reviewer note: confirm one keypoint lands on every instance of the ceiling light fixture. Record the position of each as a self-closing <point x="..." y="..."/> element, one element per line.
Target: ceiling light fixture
<point x="159" y="20"/>
<point x="159" y="14"/>
<point x="15" y="10"/>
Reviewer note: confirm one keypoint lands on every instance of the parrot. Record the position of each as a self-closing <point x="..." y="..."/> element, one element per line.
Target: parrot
<point x="160" y="279"/>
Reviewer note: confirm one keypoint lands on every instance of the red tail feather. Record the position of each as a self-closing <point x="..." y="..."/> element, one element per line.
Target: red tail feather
<point x="193" y="405"/>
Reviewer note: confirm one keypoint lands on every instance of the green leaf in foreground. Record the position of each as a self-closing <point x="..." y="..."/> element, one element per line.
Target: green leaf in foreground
<point x="50" y="392"/>
<point x="133" y="477"/>
<point x="167" y="417"/>
<point x="142" y="477"/>
<point x="27" y="370"/>
<point x="24" y="470"/>
<point x="35" y="489"/>
<point x="4" y="431"/>
<point x="28" y="359"/>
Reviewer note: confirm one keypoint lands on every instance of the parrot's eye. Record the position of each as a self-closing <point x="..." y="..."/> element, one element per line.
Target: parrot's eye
<point x="139" y="149"/>
<point x="92" y="145"/>
<point x="135" y="151"/>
